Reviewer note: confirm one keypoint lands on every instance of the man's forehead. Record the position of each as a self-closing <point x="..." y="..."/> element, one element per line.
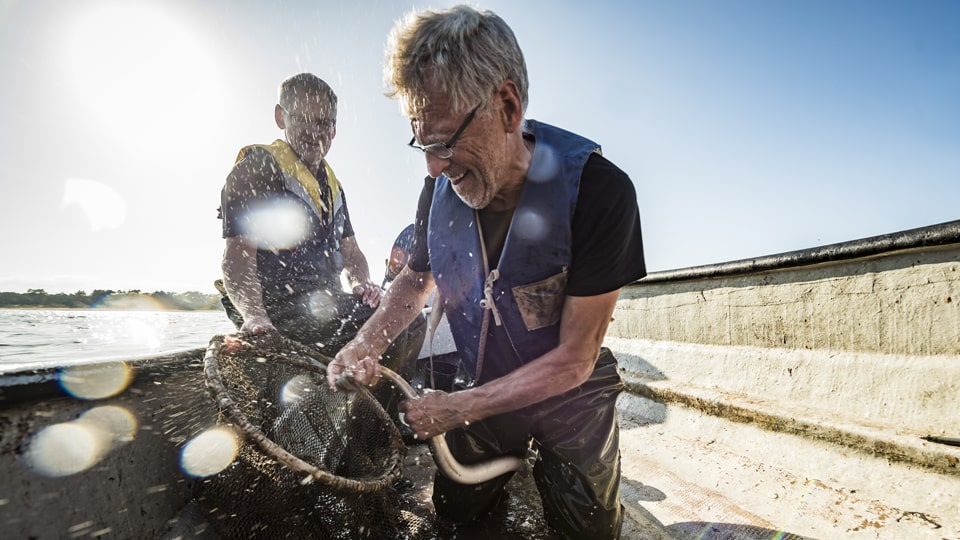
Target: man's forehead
<point x="309" y="106"/>
<point x="434" y="114"/>
<point x="304" y="99"/>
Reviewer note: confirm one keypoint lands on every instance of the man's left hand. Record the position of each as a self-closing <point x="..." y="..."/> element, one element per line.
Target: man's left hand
<point x="433" y="413"/>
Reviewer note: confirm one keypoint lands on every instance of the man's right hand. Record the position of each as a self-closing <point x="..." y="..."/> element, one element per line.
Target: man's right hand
<point x="356" y="363"/>
<point x="257" y="325"/>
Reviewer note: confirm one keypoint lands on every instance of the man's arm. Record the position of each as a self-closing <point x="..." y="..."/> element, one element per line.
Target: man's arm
<point x="243" y="285"/>
<point x="403" y="301"/>
<point x="358" y="272"/>
<point x="253" y="180"/>
<point x="583" y="325"/>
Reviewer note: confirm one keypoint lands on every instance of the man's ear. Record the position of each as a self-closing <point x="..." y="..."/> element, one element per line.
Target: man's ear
<point x="278" y="116"/>
<point x="511" y="106"/>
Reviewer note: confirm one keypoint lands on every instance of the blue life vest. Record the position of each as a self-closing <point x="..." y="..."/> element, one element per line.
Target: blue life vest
<point x="526" y="291"/>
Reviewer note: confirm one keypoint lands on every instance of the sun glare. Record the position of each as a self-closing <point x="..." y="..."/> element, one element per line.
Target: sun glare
<point x="132" y="60"/>
<point x="103" y="207"/>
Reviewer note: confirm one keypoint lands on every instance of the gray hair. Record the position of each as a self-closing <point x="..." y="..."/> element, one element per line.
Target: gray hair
<point x="461" y="52"/>
<point x="306" y="86"/>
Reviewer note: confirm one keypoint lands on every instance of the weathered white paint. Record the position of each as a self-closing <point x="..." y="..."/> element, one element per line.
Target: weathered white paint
<point x="795" y="399"/>
<point x="904" y="303"/>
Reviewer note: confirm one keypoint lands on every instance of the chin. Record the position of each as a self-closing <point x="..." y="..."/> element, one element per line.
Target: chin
<point x="475" y="203"/>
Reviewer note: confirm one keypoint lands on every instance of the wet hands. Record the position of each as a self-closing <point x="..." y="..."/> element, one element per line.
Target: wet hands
<point x="263" y="335"/>
<point x="433" y="413"/>
<point x="371" y="293"/>
<point x="257" y="325"/>
<point x="356" y="364"/>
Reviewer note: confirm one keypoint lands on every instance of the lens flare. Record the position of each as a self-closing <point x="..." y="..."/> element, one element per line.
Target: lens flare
<point x="116" y="421"/>
<point x="530" y="224"/>
<point x="276" y="224"/>
<point x="545" y="166"/>
<point x="296" y="389"/>
<point x="322" y="305"/>
<point x="95" y="381"/>
<point x="66" y="449"/>
<point x="210" y="452"/>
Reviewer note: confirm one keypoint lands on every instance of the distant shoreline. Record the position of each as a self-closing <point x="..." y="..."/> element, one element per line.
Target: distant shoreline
<point x="100" y="308"/>
<point x="106" y="299"/>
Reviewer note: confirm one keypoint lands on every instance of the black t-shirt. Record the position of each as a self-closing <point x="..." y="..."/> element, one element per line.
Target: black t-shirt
<point x="607" y="243"/>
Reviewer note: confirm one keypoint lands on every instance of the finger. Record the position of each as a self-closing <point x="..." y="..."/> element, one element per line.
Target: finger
<point x="333" y="373"/>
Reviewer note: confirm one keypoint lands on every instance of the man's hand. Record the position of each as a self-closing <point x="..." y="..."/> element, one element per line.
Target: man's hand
<point x="356" y="363"/>
<point x="255" y="326"/>
<point x="433" y="413"/>
<point x="371" y="292"/>
<point x="258" y="325"/>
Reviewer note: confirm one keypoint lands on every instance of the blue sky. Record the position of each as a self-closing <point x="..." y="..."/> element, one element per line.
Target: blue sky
<point x="748" y="127"/>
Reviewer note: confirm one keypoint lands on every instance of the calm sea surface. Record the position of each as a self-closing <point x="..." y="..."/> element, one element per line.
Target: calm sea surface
<point x="34" y="337"/>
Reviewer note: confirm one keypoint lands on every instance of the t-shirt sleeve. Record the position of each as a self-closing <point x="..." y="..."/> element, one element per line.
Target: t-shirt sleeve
<point x="254" y="179"/>
<point x="419" y="254"/>
<point x="347" y="226"/>
<point x="607" y="241"/>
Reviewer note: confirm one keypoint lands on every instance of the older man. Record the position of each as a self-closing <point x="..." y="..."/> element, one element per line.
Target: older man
<point x="527" y="233"/>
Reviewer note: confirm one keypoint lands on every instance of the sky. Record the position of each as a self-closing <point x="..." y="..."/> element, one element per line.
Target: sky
<point x="748" y="127"/>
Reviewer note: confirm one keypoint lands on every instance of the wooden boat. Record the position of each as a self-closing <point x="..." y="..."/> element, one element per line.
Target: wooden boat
<point x="810" y="394"/>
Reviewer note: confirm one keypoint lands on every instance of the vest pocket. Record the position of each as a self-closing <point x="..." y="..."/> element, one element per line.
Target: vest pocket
<point x="541" y="303"/>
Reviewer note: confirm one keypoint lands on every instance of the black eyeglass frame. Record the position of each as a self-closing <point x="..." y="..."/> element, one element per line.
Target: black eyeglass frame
<point x="444" y="150"/>
<point x="303" y="121"/>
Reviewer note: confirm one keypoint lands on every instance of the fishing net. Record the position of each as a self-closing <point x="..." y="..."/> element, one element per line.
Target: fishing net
<point x="315" y="463"/>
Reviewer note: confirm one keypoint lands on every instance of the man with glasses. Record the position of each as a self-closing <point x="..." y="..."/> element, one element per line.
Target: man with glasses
<point x="527" y="233"/>
<point x="288" y="232"/>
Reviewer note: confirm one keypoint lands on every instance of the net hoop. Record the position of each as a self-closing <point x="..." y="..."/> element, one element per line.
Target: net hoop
<point x="313" y="473"/>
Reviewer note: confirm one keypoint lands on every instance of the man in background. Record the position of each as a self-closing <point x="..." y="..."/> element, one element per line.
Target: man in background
<point x="289" y="240"/>
<point x="399" y="255"/>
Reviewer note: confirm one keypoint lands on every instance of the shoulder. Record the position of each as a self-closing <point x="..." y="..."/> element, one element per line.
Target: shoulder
<point x="600" y="170"/>
<point x="256" y="170"/>
<point x="601" y="180"/>
<point x="256" y="160"/>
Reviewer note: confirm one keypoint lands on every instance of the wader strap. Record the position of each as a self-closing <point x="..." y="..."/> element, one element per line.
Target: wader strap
<point x="432" y="323"/>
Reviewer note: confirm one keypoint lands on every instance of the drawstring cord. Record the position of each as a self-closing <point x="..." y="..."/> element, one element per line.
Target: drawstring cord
<point x="486" y="302"/>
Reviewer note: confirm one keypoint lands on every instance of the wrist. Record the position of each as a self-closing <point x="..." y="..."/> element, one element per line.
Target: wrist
<point x="370" y="348"/>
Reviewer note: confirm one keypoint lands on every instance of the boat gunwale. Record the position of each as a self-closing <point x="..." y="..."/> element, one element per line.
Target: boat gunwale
<point x="932" y="236"/>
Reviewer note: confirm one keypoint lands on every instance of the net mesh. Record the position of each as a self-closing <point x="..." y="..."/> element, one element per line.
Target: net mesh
<point x="315" y="463"/>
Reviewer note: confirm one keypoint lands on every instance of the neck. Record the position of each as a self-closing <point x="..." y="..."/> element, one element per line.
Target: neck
<point x="516" y="174"/>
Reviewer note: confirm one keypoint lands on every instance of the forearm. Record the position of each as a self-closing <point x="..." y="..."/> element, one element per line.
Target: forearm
<point x="357" y="274"/>
<point x="241" y="280"/>
<point x="355" y="265"/>
<point x="554" y="373"/>
<point x="401" y="304"/>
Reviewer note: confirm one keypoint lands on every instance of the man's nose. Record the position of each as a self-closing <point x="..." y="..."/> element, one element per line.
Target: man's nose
<point x="435" y="165"/>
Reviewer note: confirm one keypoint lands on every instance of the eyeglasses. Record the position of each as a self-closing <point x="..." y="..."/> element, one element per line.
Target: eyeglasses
<point x="302" y="120"/>
<point x="444" y="150"/>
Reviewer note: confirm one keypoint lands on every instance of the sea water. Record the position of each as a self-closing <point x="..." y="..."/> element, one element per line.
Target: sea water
<point x="51" y="337"/>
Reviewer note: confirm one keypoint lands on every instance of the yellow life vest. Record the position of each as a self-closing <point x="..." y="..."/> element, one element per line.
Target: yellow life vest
<point x="291" y="164"/>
